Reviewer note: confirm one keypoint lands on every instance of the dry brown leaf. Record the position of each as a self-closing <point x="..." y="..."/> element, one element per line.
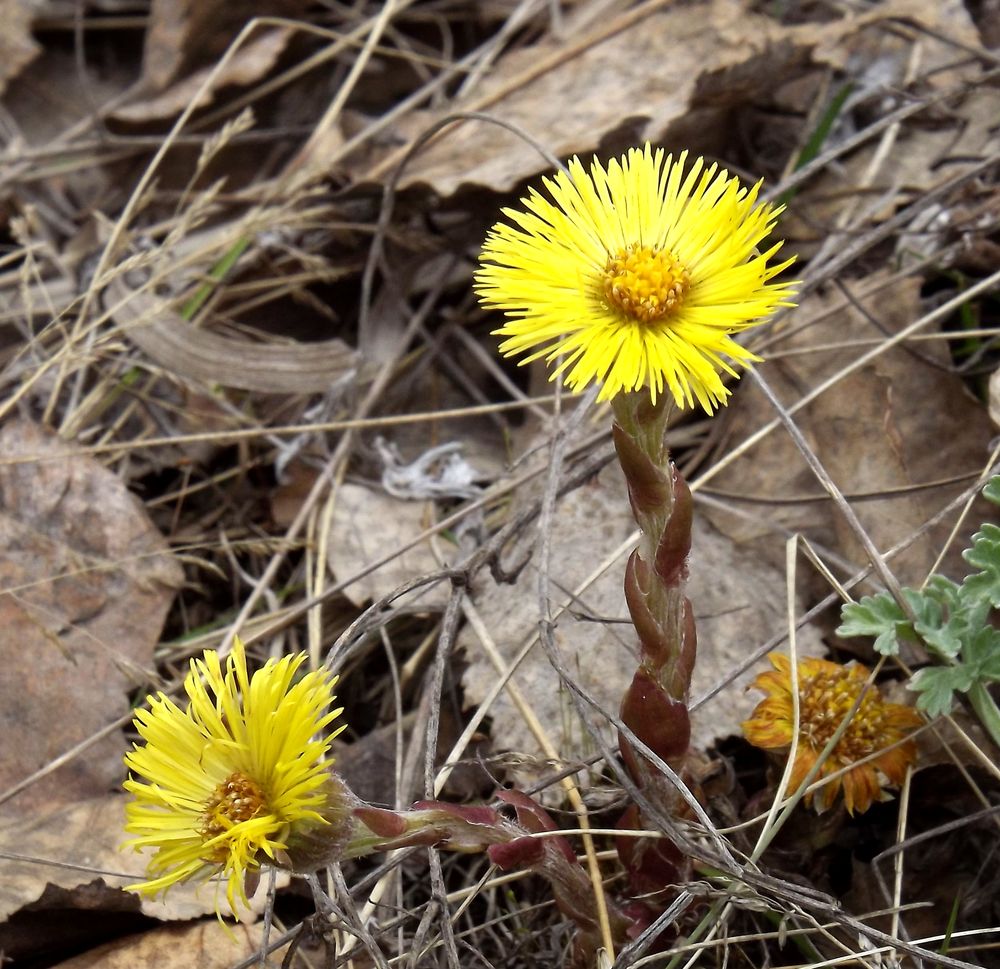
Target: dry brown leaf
<point x="369" y="525"/>
<point x="86" y="583"/>
<point x="897" y="423"/>
<point x="85" y="833"/>
<point x="205" y="945"/>
<point x="738" y="603"/>
<point x="287" y="498"/>
<point x="671" y="76"/>
<point x="17" y="47"/>
<point x="873" y="181"/>
<point x="88" y="834"/>
<point x="54" y="93"/>
<point x="185" y="35"/>
<point x="249" y="64"/>
<point x="51" y="96"/>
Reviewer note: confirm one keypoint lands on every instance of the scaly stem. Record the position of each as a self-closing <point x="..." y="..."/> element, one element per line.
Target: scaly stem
<point x="655" y="704"/>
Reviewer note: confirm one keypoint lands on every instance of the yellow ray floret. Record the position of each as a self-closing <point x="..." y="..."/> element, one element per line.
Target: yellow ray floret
<point x="219" y="785"/>
<point x="636" y="275"/>
<point x="872" y="752"/>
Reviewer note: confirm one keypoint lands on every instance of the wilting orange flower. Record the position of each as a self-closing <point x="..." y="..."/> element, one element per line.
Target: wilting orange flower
<point x="827" y="692"/>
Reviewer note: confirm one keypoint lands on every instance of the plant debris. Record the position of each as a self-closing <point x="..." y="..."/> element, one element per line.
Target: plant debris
<point x="245" y="388"/>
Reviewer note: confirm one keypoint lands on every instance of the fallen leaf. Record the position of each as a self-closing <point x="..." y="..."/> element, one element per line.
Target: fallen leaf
<point x="670" y="75"/>
<point x="85" y="583"/>
<point x="297" y="480"/>
<point x="49" y="97"/>
<point x="870" y="183"/>
<point x="185" y="35"/>
<point x="738" y="604"/>
<point x="52" y="840"/>
<point x="369" y="525"/>
<point x="17" y="47"/>
<point x="891" y="434"/>
<point x="206" y="945"/>
<point x="79" y="845"/>
<point x="249" y="64"/>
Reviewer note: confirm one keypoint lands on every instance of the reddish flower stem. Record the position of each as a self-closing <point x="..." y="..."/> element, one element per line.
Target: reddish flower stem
<point x="655" y="705"/>
<point x="356" y="829"/>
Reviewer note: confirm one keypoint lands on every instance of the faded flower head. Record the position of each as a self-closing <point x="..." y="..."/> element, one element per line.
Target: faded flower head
<point x="225" y="781"/>
<point x="638" y="275"/>
<point x="827" y="692"/>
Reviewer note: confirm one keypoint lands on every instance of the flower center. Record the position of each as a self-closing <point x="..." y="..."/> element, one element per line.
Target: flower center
<point x="238" y="798"/>
<point x="644" y="283"/>
<point x="824" y="701"/>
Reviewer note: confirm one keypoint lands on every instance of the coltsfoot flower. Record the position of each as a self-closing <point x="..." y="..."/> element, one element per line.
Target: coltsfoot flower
<point x="226" y="780"/>
<point x="827" y="692"/>
<point x="638" y="275"/>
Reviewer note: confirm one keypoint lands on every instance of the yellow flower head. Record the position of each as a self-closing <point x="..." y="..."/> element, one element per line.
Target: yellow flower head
<point x="827" y="692"/>
<point x="227" y="778"/>
<point x="637" y="275"/>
